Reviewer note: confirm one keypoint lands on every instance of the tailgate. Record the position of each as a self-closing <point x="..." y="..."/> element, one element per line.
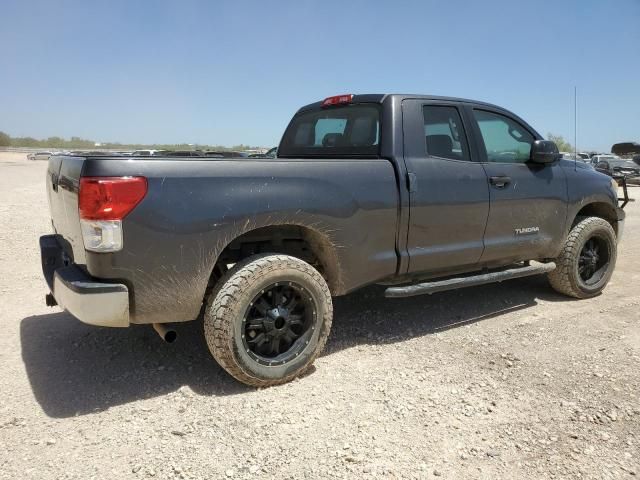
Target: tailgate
<point x="63" y="178"/>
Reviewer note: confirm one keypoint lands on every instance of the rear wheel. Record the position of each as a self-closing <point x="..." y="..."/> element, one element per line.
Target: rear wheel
<point x="269" y="319"/>
<point x="587" y="260"/>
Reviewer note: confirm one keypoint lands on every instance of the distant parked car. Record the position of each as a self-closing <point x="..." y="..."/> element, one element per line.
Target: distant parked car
<point x="271" y="153"/>
<point x="579" y="157"/>
<point x="184" y="153"/>
<point x="626" y="148"/>
<point x="603" y="157"/>
<point x="225" y="154"/>
<point x="147" y="153"/>
<point x="99" y="152"/>
<point x="614" y="165"/>
<point x="570" y="156"/>
<point x="39" y="156"/>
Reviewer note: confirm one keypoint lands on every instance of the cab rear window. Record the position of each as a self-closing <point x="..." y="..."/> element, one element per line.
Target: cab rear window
<point x="349" y="130"/>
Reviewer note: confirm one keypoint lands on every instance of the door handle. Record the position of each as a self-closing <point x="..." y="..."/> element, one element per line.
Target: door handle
<point x="500" y="181"/>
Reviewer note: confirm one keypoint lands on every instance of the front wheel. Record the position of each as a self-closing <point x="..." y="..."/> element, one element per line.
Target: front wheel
<point x="587" y="260"/>
<point x="269" y="319"/>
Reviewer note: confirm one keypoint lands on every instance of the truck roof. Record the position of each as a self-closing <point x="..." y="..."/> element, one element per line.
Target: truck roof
<point x="380" y="97"/>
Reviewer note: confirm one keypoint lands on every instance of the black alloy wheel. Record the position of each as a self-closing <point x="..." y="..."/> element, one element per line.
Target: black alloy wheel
<point x="268" y="319"/>
<point x="278" y="322"/>
<point x="587" y="259"/>
<point x="594" y="260"/>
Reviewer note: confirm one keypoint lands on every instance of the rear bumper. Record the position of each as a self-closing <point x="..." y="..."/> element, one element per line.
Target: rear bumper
<point x="90" y="301"/>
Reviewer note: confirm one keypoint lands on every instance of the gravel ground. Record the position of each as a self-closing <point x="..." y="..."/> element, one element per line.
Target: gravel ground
<point x="500" y="381"/>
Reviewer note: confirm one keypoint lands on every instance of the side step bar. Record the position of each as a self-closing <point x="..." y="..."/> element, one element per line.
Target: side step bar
<point x="471" y="281"/>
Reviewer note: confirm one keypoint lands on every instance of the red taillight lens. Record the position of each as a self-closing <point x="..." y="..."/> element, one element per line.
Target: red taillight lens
<point x="338" y="99"/>
<point x="109" y="198"/>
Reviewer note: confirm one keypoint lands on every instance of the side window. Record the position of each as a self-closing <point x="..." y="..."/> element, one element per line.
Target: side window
<point x="444" y="133"/>
<point x="505" y="140"/>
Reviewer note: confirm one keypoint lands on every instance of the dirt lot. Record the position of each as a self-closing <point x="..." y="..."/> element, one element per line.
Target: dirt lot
<point x="501" y="381"/>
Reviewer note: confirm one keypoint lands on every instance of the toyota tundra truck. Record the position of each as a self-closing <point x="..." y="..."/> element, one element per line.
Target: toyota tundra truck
<point x="418" y="193"/>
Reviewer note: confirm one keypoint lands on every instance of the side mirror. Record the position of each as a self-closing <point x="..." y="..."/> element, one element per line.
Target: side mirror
<point x="544" y="151"/>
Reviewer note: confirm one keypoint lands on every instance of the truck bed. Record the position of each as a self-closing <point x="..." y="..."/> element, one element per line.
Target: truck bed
<point x="195" y="206"/>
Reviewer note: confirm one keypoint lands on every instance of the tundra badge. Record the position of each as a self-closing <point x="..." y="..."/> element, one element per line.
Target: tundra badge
<point x="527" y="230"/>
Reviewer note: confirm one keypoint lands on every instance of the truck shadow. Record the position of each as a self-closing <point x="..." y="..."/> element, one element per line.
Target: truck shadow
<point x="75" y="369"/>
<point x="367" y="317"/>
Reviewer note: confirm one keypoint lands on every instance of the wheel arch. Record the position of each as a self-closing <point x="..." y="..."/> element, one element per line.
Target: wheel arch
<point x="603" y="210"/>
<point x="311" y="243"/>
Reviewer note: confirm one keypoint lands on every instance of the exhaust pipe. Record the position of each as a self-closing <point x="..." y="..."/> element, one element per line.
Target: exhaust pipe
<point x="50" y="300"/>
<point x="167" y="334"/>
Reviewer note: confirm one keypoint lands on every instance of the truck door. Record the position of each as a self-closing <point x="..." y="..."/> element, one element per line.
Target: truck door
<point x="449" y="194"/>
<point x="528" y="201"/>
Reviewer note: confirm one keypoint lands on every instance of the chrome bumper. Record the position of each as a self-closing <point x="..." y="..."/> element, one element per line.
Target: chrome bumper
<point x="90" y="301"/>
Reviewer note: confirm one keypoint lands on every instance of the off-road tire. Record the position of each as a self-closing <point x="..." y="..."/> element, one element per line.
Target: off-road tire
<point x="565" y="278"/>
<point x="228" y="303"/>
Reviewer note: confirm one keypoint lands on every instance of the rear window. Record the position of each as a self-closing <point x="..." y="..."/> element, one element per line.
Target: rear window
<point x="350" y="130"/>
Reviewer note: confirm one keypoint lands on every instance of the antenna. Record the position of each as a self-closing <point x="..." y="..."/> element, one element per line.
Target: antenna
<point x="575" y="126"/>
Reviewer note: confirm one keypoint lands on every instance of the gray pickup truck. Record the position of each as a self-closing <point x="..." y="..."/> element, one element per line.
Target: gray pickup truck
<point x="418" y="193"/>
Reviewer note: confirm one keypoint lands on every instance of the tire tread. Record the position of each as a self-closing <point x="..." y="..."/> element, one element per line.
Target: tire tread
<point x="561" y="279"/>
<point x="225" y="296"/>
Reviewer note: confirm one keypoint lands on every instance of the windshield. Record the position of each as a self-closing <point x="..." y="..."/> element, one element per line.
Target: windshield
<point x="333" y="131"/>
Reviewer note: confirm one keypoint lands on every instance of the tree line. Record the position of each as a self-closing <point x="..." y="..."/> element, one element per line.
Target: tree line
<point x="77" y="143"/>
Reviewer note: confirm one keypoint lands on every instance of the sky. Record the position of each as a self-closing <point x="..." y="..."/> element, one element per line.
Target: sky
<point x="231" y="72"/>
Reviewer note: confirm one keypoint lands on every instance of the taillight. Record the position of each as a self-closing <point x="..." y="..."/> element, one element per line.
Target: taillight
<point x="337" y="100"/>
<point x="109" y="198"/>
<point x="103" y="202"/>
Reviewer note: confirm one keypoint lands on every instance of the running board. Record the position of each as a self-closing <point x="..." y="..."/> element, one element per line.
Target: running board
<point x="471" y="281"/>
